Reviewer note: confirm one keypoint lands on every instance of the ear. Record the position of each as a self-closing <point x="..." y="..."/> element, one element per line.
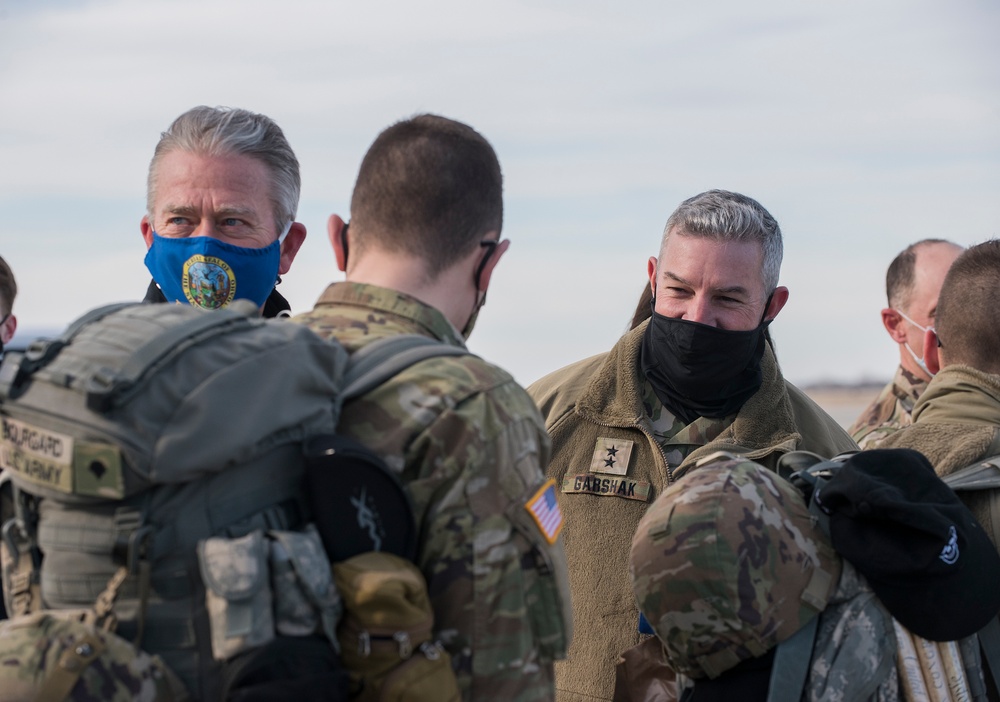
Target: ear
<point x="8" y="328"/>
<point x="334" y="228"/>
<point x="290" y="246"/>
<point x="932" y="354"/>
<point x="491" y="263"/>
<point x="651" y="271"/>
<point x="778" y="299"/>
<point x="147" y="230"/>
<point x="894" y="324"/>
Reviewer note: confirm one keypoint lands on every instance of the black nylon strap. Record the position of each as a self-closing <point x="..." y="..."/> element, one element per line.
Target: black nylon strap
<point x="791" y="664"/>
<point x="989" y="641"/>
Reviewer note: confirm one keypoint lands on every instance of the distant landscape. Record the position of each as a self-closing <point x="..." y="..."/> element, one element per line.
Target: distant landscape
<point x="844" y="401"/>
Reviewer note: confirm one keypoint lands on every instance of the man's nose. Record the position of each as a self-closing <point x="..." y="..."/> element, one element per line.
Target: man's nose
<point x="699" y="310"/>
<point x="206" y="227"/>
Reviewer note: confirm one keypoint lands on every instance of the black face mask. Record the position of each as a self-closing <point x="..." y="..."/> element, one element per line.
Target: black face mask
<point x="698" y="370"/>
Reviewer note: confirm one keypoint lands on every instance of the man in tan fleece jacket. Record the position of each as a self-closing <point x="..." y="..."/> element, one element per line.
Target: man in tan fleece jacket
<point x="699" y="376"/>
<point x="956" y="422"/>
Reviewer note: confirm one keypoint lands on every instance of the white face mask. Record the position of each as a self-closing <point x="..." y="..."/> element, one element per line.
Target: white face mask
<point x="919" y="361"/>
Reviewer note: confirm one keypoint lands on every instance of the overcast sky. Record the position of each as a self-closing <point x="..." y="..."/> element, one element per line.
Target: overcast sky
<point x="861" y="126"/>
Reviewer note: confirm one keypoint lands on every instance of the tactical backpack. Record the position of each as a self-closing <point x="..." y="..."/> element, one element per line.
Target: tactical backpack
<point x="929" y="669"/>
<point x="154" y="458"/>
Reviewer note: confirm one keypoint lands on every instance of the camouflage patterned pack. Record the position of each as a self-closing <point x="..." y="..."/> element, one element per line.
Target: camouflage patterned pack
<point x="154" y="459"/>
<point x="48" y="658"/>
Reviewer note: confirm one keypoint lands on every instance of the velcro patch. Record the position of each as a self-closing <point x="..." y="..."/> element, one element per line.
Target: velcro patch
<point x="611" y="456"/>
<point x="544" y="509"/>
<point x="37" y="455"/>
<point x="596" y="485"/>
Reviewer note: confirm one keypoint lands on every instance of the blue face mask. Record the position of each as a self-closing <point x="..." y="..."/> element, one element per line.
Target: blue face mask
<point x="208" y="273"/>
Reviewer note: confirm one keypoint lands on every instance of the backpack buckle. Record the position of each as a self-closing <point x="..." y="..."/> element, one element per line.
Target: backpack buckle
<point x="402" y="639"/>
<point x="130" y="538"/>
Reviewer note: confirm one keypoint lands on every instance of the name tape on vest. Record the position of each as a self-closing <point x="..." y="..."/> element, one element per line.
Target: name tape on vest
<point x="57" y="461"/>
<point x="588" y="484"/>
<point x="39" y="456"/>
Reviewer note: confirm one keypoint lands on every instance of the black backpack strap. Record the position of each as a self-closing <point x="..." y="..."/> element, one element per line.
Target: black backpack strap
<point x="791" y="664"/>
<point x="989" y="642"/>
<point x="372" y="365"/>
<point x="104" y="390"/>
<point x="358" y="503"/>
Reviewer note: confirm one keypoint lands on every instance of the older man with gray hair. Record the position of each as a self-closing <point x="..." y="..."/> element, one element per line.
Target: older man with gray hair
<point x="699" y="376"/>
<point x="221" y="198"/>
<point x="912" y="285"/>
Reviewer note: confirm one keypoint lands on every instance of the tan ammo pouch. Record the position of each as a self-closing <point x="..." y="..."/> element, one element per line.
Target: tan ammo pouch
<point x="386" y="632"/>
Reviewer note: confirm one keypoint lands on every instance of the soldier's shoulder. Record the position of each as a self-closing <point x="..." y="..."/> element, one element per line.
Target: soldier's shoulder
<point x="556" y="392"/>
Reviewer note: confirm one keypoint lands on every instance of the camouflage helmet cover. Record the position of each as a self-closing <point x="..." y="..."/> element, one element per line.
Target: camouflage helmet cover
<point x="727" y="563"/>
<point x="77" y="662"/>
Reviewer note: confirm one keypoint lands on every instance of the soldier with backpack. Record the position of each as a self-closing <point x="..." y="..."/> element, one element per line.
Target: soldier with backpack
<point x="956" y="422"/>
<point x="463" y="436"/>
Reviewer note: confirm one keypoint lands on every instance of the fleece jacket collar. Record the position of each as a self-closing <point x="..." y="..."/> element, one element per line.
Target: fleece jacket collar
<point x="763" y="425"/>
<point x="960" y="395"/>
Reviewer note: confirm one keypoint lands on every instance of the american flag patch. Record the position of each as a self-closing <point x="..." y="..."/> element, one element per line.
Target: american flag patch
<point x="544" y="509"/>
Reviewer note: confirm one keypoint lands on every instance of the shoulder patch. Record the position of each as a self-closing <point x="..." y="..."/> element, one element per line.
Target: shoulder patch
<point x="544" y="509"/>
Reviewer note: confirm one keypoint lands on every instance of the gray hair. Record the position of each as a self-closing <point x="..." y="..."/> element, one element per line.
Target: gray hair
<point x="721" y="215"/>
<point x="218" y="131"/>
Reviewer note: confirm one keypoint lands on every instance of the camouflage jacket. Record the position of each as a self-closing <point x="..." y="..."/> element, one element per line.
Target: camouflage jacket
<point x="469" y="445"/>
<point x="890" y="411"/>
<point x="594" y="412"/>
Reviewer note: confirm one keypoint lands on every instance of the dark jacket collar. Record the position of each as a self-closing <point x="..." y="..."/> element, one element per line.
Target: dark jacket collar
<point x="273" y="306"/>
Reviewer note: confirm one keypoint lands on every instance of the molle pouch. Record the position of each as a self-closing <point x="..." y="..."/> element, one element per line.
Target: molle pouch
<point x="237" y="592"/>
<point x="306" y="600"/>
<point x="546" y="587"/>
<point x="386" y="632"/>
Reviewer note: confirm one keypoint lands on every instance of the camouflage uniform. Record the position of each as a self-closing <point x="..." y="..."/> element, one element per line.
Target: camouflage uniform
<point x="614" y="450"/>
<point x="890" y="411"/>
<point x="469" y="444"/>
<point x="73" y="661"/>
<point x="728" y="563"/>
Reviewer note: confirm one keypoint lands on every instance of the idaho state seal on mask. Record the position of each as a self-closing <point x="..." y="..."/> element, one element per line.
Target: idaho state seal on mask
<point x="208" y="282"/>
<point x="208" y="273"/>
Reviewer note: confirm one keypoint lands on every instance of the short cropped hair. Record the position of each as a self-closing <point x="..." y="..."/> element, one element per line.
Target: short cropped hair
<point x="900" y="277"/>
<point x="430" y="187"/>
<point x="721" y="215"/>
<point x="968" y="316"/>
<point x="223" y="131"/>
<point x="8" y="288"/>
